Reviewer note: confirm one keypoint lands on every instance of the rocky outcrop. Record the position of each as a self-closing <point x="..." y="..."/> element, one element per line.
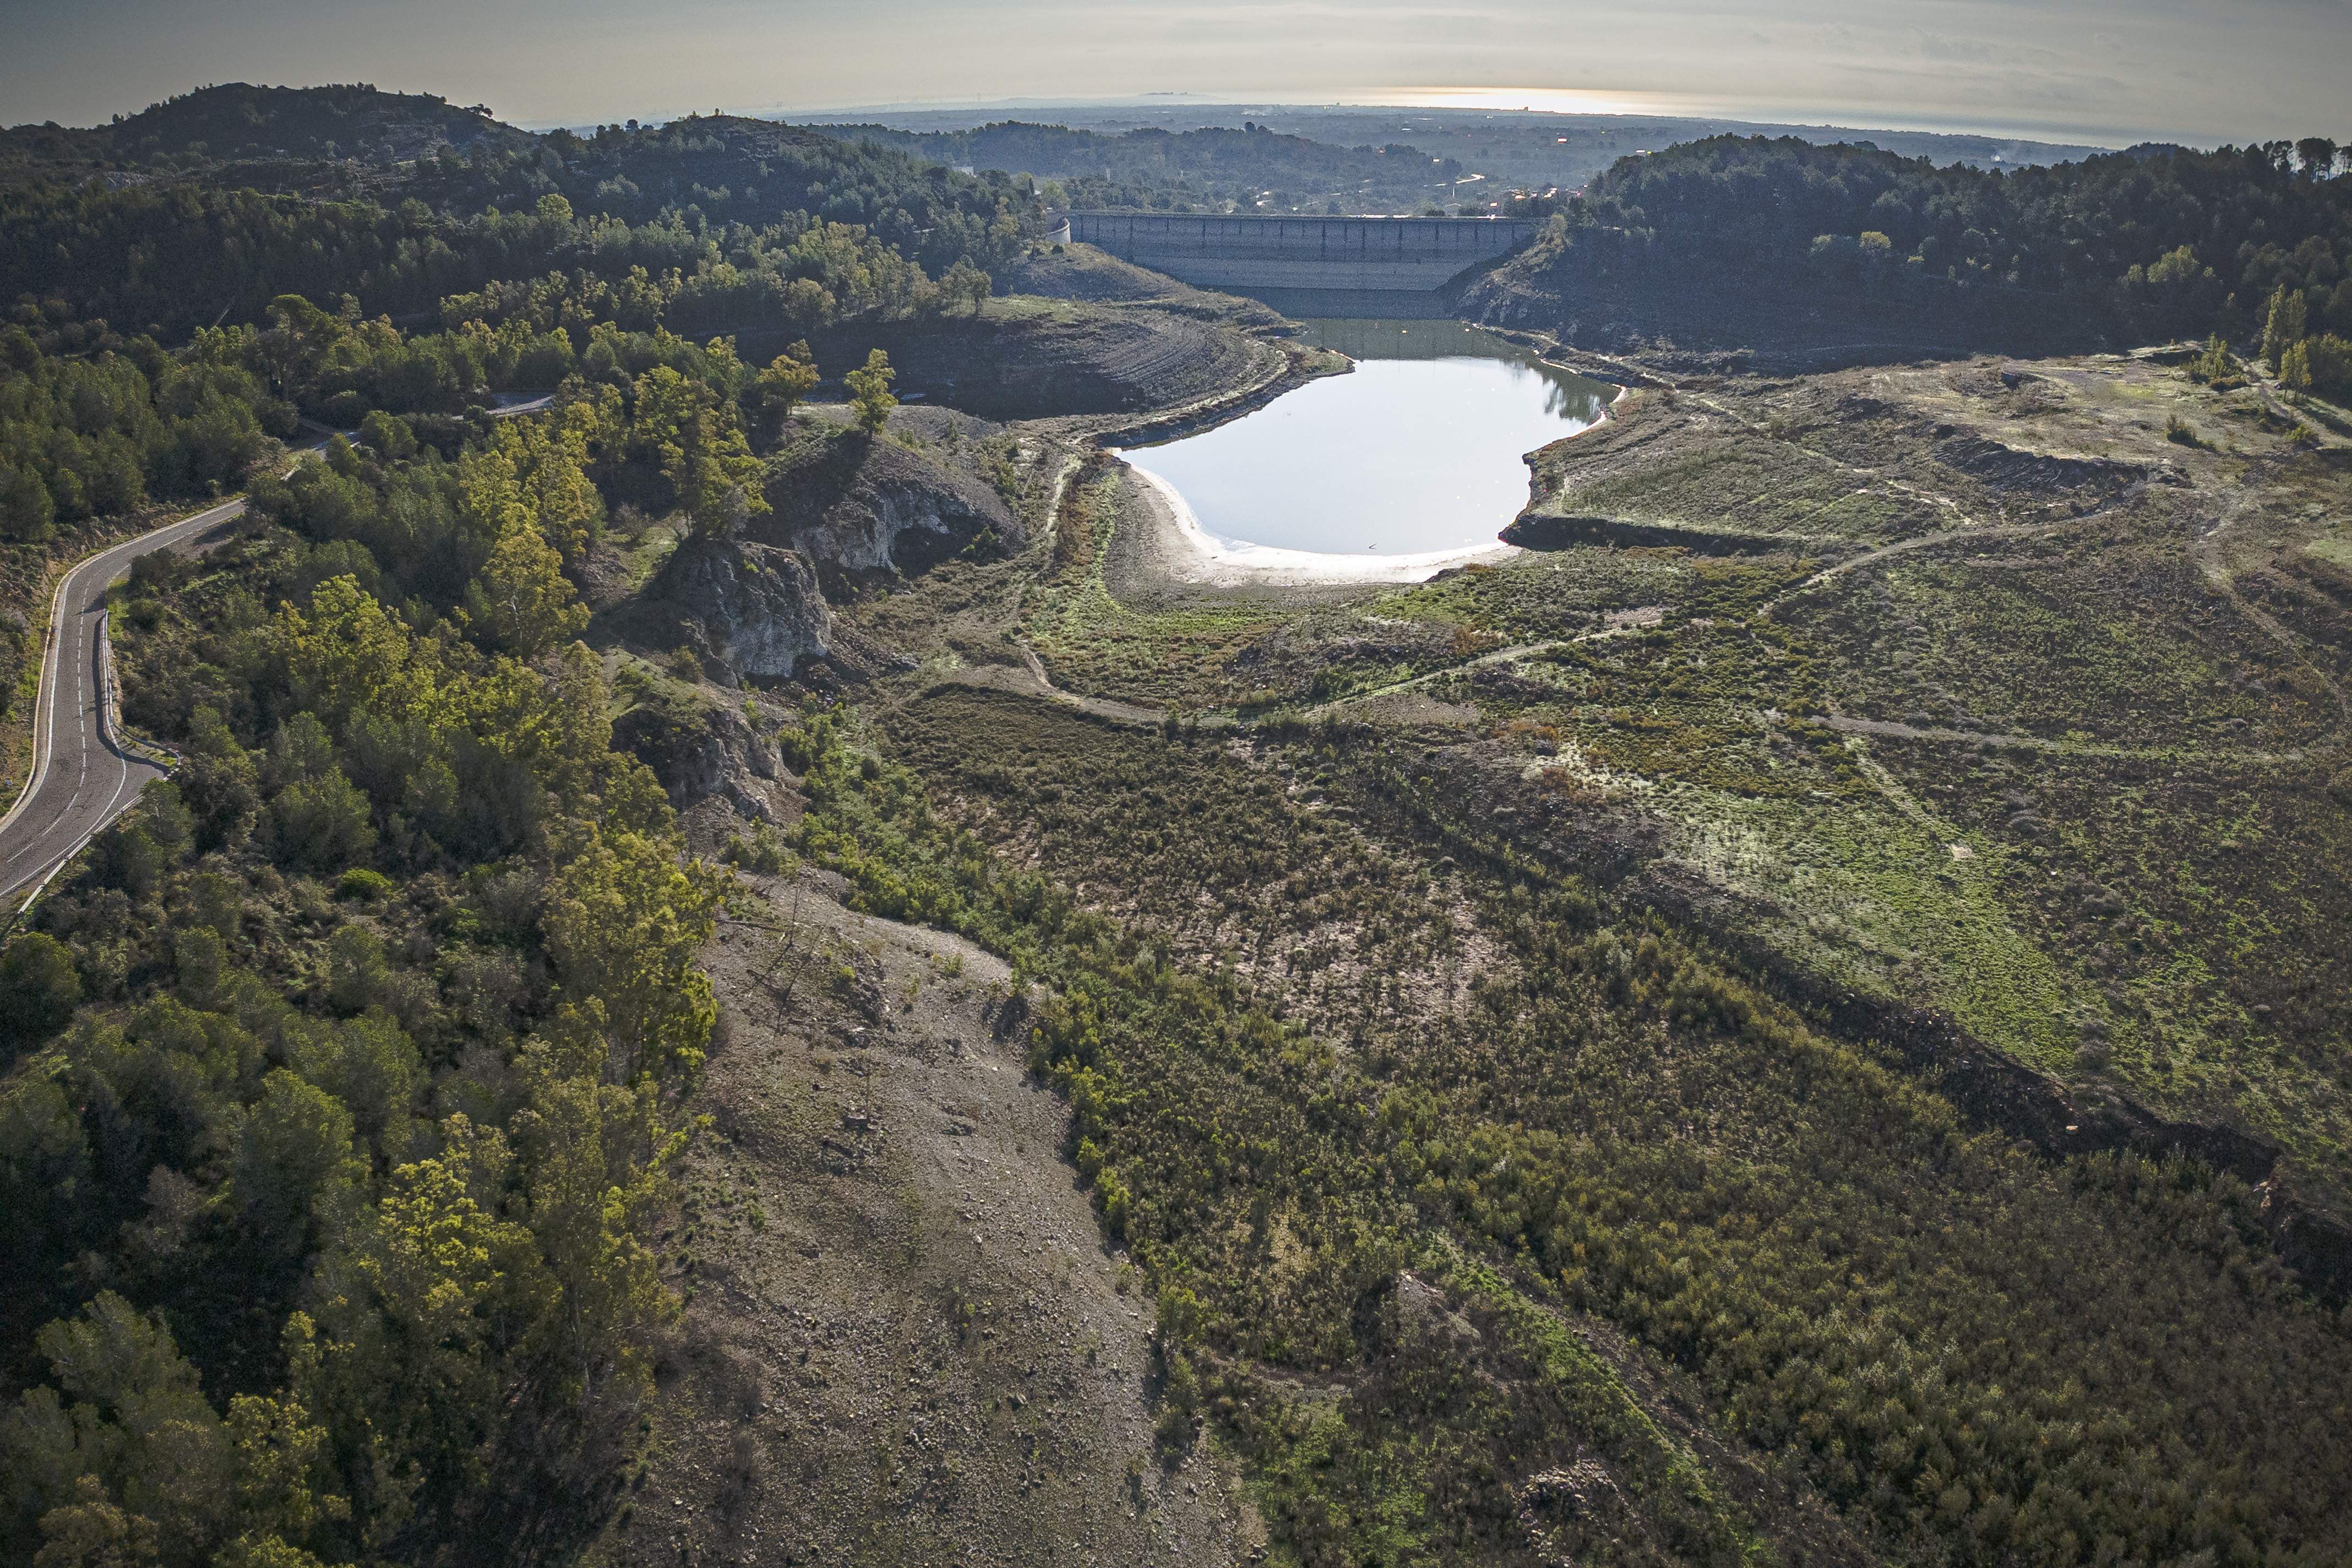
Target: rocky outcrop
<point x="758" y="608"/>
<point x="750" y="612"/>
<point x="1075" y="359"/>
<point x="702" y="749"/>
<point x="863" y="507"/>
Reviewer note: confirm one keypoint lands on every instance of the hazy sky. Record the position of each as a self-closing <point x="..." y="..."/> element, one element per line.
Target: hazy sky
<point x="2073" y="69"/>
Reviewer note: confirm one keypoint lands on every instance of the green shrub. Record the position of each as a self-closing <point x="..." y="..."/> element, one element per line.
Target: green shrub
<point x="359" y="882"/>
<point x="765" y="851"/>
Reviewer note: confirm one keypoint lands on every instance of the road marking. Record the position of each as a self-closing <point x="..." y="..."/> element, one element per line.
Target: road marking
<point x="67" y="647"/>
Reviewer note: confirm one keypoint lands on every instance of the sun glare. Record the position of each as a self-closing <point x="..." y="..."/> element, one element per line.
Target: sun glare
<point x="1545" y="99"/>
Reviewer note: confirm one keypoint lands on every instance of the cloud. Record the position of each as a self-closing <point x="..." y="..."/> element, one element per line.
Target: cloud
<point x="2182" y="68"/>
<point x="1937" y="46"/>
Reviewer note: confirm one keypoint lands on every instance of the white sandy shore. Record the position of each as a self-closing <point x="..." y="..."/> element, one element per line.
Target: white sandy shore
<point x="1189" y="553"/>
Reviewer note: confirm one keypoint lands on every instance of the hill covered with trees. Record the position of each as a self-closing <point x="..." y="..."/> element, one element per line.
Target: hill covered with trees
<point x="719" y="201"/>
<point x="1212" y="169"/>
<point x="2159" y="242"/>
<point x="239" y="123"/>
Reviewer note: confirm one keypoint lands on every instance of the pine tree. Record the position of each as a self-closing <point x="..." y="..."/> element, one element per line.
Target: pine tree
<point x="2285" y="326"/>
<point x="869" y="390"/>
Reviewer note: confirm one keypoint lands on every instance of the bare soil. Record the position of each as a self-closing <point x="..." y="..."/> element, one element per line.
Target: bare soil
<point x="904" y="1341"/>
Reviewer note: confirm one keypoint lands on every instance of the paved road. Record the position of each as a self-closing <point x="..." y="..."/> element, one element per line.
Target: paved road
<point x="83" y="778"/>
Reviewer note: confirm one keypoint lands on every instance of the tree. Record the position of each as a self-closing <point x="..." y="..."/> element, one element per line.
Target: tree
<point x="27" y="509"/>
<point x="139" y="1456"/>
<point x="869" y="392"/>
<point x="791" y="377"/>
<point x="293" y="1148"/>
<point x="388" y="435"/>
<point x="623" y="923"/>
<point x="2294" y="368"/>
<point x="692" y="436"/>
<point x="280" y="1455"/>
<point x="369" y="1064"/>
<point x="92" y="1531"/>
<point x="965" y="282"/>
<point x="532" y="605"/>
<point x="2330" y="361"/>
<point x="428" y="1282"/>
<point x="594" y="1156"/>
<point x="39" y="987"/>
<point x="322" y="822"/>
<point x="533" y="472"/>
<point x="2285" y="325"/>
<point x="2318" y="155"/>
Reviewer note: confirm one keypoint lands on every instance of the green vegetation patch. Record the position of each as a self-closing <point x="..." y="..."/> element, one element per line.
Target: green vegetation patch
<point x="1860" y="1288"/>
<point x="1095" y="643"/>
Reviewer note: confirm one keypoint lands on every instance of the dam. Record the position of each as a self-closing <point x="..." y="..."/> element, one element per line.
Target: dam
<point x="1389" y="255"/>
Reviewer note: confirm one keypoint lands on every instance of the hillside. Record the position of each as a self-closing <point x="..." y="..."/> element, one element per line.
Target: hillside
<point x="1853" y="249"/>
<point x="1505" y="149"/>
<point x="1213" y="168"/>
<point x="239" y="123"/>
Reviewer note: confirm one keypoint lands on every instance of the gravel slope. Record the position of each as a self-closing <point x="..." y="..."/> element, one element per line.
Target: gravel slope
<point x="920" y="1350"/>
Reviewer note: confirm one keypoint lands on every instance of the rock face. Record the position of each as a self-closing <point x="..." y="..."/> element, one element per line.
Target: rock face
<point x="753" y="609"/>
<point x="749" y="612"/>
<point x="868" y="507"/>
<point x="702" y="749"/>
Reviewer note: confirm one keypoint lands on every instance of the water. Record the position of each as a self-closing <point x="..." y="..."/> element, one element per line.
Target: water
<point x="1415" y="452"/>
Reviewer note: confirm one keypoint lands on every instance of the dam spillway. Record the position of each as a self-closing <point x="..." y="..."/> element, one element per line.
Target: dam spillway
<point x="1401" y="255"/>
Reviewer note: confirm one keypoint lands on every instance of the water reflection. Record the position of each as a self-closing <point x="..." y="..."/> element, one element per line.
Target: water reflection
<point x="1418" y="450"/>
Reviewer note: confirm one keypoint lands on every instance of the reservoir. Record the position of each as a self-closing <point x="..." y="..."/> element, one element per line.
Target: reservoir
<point x="1416" y="452"/>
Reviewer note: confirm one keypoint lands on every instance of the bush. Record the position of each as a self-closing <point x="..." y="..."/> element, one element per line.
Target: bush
<point x="763" y="851"/>
<point x="359" y="882"/>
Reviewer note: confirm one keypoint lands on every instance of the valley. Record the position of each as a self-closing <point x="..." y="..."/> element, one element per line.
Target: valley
<point x="838" y="881"/>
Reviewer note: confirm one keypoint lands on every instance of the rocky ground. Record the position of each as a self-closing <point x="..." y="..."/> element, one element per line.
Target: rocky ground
<point x="905" y="1340"/>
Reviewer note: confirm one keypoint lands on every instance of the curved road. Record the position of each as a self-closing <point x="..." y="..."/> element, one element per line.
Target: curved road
<point x="83" y="778"/>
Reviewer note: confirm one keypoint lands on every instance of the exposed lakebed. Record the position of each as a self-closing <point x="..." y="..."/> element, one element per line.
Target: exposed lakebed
<point x="1415" y="453"/>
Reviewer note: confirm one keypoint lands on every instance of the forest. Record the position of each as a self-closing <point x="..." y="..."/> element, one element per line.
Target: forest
<point x="360" y="1055"/>
<point x="739" y="210"/>
<point x="2151" y="243"/>
<point x="1211" y="170"/>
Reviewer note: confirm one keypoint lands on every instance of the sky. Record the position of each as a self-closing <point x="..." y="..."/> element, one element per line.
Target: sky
<point x="2191" y="70"/>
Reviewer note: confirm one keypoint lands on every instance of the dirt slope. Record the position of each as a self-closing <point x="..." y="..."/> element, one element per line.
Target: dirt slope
<point x="1031" y="359"/>
<point x="919" y="1349"/>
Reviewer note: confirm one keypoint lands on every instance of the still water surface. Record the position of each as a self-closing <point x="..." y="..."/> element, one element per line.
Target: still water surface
<point x="1416" y="451"/>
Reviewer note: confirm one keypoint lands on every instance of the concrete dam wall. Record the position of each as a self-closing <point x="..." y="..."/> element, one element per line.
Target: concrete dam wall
<point x="1382" y="254"/>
